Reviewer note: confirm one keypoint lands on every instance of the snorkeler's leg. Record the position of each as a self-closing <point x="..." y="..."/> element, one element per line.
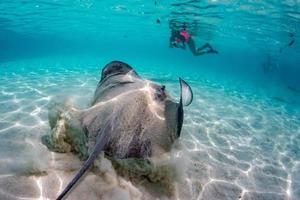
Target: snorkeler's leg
<point x="193" y="49"/>
<point x="206" y="45"/>
<point x="210" y="49"/>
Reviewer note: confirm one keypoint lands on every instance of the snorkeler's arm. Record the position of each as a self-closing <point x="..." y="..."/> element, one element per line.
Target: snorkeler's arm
<point x="181" y="45"/>
<point x="171" y="42"/>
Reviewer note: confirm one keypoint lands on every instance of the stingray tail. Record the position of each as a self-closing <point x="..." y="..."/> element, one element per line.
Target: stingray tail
<point x="101" y="142"/>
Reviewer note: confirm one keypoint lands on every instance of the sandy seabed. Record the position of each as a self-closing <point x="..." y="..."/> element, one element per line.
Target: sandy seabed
<point x="234" y="145"/>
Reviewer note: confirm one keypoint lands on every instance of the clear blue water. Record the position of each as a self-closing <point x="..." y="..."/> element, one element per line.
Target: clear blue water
<point x="241" y="135"/>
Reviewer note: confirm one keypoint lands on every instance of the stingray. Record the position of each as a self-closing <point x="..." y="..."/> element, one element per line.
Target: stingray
<point x="129" y="117"/>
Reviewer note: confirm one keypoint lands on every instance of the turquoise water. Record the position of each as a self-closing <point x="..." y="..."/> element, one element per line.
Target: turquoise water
<point x="241" y="134"/>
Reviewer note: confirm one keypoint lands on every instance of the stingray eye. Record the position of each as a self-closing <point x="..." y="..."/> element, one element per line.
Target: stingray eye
<point x="160" y="94"/>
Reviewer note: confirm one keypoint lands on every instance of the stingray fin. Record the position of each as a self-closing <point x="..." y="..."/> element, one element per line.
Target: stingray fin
<point x="186" y="97"/>
<point x="101" y="141"/>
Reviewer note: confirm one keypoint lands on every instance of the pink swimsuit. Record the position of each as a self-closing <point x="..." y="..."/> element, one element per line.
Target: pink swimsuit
<point x="186" y="35"/>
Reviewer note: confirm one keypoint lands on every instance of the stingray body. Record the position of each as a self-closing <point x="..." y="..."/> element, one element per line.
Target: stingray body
<point x="128" y="118"/>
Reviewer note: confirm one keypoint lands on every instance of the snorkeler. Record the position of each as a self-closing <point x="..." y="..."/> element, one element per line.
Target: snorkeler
<point x="179" y="39"/>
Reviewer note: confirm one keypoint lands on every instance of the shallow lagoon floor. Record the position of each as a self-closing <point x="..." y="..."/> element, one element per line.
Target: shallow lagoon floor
<point x="237" y="144"/>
